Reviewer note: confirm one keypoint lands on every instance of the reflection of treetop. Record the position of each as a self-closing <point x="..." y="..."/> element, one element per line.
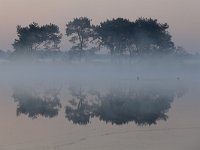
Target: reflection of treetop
<point x="34" y="105"/>
<point x="121" y="106"/>
<point x="118" y="105"/>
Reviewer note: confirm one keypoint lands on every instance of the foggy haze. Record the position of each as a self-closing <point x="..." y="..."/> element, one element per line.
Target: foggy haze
<point x="99" y="75"/>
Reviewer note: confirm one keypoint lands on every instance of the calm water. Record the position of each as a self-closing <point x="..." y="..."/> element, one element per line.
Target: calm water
<point x="75" y="111"/>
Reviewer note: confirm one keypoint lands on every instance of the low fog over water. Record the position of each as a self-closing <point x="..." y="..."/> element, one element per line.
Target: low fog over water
<point x="142" y="104"/>
<point x="95" y="71"/>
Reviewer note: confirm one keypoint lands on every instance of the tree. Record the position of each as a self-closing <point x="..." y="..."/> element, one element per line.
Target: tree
<point x="152" y="37"/>
<point x="139" y="37"/>
<point x="115" y="34"/>
<point x="80" y="30"/>
<point x="51" y="36"/>
<point x="36" y="37"/>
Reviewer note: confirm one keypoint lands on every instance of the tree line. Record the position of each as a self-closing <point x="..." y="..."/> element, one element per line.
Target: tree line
<point x="119" y="36"/>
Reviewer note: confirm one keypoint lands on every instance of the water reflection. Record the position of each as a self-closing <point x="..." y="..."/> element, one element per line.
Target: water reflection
<point x="117" y="104"/>
<point x="81" y="107"/>
<point x="33" y="104"/>
<point x="122" y="105"/>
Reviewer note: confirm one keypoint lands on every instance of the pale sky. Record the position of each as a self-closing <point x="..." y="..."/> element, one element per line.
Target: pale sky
<point x="181" y="15"/>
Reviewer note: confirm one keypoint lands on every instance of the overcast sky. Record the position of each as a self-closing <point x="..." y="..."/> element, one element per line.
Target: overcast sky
<point x="181" y="15"/>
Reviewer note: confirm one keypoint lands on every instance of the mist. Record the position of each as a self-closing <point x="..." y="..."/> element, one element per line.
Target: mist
<point x="99" y="75"/>
<point x="101" y="70"/>
<point x="116" y="91"/>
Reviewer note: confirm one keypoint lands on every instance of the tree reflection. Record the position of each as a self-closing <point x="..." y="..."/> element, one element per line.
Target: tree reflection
<point x="143" y="107"/>
<point x="122" y="105"/>
<point x="117" y="105"/>
<point x="80" y="108"/>
<point x="33" y="105"/>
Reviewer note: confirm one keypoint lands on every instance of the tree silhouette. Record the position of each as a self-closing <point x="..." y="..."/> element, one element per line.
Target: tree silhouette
<point x="120" y="36"/>
<point x="35" y="37"/>
<point x="114" y="34"/>
<point x="152" y="37"/>
<point x="143" y="36"/>
<point x="80" y="30"/>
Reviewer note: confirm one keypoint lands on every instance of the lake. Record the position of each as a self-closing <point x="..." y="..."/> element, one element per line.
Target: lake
<point x="99" y="108"/>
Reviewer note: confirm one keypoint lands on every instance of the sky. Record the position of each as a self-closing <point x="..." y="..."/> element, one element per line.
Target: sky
<point x="181" y="15"/>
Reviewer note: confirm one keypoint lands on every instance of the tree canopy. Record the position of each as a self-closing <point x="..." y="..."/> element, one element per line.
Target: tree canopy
<point x="139" y="37"/>
<point x="114" y="34"/>
<point x="151" y="36"/>
<point x="36" y="37"/>
<point x="80" y="30"/>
